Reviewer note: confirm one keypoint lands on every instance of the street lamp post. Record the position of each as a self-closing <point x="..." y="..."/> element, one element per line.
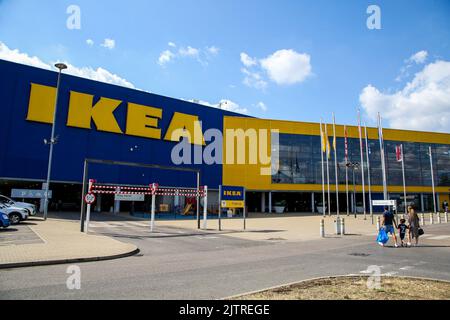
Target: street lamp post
<point x="60" y="66"/>
<point x="353" y="166"/>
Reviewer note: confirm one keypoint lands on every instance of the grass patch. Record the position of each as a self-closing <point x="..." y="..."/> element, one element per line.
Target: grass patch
<point x="355" y="288"/>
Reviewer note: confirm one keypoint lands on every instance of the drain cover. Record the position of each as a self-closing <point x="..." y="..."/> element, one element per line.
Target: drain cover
<point x="359" y="254"/>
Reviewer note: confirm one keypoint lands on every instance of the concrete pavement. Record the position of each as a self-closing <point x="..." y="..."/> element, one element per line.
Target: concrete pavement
<point x="56" y="241"/>
<point x="182" y="264"/>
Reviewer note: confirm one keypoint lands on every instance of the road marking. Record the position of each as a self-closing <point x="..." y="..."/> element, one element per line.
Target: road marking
<point x="389" y="274"/>
<point x="439" y="238"/>
<point x="406" y="268"/>
<point x="427" y="235"/>
<point x="139" y="224"/>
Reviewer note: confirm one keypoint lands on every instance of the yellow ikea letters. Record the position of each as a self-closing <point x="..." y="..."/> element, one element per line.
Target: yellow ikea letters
<point x="81" y="112"/>
<point x="142" y="121"/>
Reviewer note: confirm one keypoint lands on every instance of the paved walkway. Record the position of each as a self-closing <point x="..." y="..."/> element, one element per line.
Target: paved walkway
<point x="61" y="242"/>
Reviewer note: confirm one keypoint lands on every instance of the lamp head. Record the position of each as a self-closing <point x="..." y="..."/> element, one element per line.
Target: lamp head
<point x="61" y="66"/>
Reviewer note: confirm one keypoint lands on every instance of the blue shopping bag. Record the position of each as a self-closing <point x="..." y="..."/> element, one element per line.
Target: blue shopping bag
<point x="382" y="236"/>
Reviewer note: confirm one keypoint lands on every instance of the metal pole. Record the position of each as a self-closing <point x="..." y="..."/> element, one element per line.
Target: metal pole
<point x="368" y="173"/>
<point x="346" y="169"/>
<point x="198" y="200"/>
<point x="362" y="164"/>
<point x="328" y="172"/>
<point x="432" y="179"/>
<point x="354" y="192"/>
<point x="383" y="160"/>
<point x="335" y="165"/>
<point x="220" y="207"/>
<point x="88" y="213"/>
<point x="244" y="212"/>
<point x="50" y="155"/>
<point x="205" y="207"/>
<point x="152" y="222"/>
<point x="83" y="193"/>
<point x="404" y="181"/>
<point x="323" y="173"/>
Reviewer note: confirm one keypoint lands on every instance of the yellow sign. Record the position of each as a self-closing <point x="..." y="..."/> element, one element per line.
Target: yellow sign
<point x="142" y="121"/>
<point x="232" y="204"/>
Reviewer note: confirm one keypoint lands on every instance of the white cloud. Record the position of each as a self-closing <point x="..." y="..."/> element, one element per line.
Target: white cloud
<point x="99" y="74"/>
<point x="247" y="60"/>
<point x="419" y="57"/>
<point x="213" y="50"/>
<point x="165" y="57"/>
<point x="189" y="52"/>
<point x="201" y="55"/>
<point x="423" y="104"/>
<point x="109" y="44"/>
<point x="253" y="79"/>
<point x="286" y="67"/>
<point x="261" y="105"/>
<point x="90" y="42"/>
<point x="224" y="104"/>
<point x="23" y="58"/>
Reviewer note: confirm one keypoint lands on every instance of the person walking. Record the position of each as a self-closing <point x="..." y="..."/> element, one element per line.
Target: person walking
<point x="414" y="226"/>
<point x="389" y="223"/>
<point x="445" y="206"/>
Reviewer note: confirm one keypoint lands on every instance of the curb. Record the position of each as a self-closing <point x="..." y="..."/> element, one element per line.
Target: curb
<point x="65" y="261"/>
<point x="351" y="275"/>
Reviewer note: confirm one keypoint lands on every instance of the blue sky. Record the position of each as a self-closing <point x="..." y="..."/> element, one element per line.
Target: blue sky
<point x="350" y="65"/>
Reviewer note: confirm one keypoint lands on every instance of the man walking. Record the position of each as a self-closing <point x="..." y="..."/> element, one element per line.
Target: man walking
<point x="445" y="206"/>
<point x="389" y="223"/>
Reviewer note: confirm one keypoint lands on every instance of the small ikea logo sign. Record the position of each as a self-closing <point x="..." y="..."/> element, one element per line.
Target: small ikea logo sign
<point x="234" y="193"/>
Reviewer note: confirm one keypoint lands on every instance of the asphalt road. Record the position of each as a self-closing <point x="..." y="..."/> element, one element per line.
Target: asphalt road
<point x="179" y="264"/>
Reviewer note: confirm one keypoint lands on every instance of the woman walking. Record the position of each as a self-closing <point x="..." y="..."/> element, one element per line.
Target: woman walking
<point x="413" y="221"/>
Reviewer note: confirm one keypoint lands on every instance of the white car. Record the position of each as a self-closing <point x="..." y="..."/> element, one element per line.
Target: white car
<point x="10" y="202"/>
<point x="15" y="214"/>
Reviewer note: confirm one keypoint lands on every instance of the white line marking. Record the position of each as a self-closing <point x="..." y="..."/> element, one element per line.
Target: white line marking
<point x="406" y="268"/>
<point x="439" y="238"/>
<point x="389" y="274"/>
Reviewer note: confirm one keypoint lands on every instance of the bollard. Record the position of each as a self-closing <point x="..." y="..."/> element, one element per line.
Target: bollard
<point x="378" y="224"/>
<point x="422" y="219"/>
<point x="343" y="226"/>
<point x="431" y="218"/>
<point x="322" y="228"/>
<point x="446" y="217"/>
<point x="337" y="225"/>
<point x="438" y="217"/>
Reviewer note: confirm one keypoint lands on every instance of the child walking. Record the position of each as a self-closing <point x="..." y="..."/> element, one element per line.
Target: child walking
<point x="402" y="227"/>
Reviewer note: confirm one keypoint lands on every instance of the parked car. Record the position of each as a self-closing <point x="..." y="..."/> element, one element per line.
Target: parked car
<point x="4" y="220"/>
<point x="8" y="201"/>
<point x="15" y="214"/>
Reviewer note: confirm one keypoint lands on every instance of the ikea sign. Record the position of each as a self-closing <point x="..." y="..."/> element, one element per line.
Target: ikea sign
<point x="141" y="120"/>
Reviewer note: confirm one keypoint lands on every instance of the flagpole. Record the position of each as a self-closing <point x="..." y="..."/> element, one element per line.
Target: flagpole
<point x="362" y="163"/>
<point x="432" y="179"/>
<point x="368" y="172"/>
<point x="335" y="165"/>
<point x="323" y="173"/>
<point x="383" y="163"/>
<point x="346" y="168"/>
<point x="328" y="168"/>
<point x="404" y="181"/>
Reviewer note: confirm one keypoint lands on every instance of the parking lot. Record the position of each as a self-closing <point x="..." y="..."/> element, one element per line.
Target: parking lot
<point x="19" y="234"/>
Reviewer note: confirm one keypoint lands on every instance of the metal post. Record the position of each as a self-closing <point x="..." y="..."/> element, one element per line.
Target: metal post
<point x="368" y="173"/>
<point x="337" y="225"/>
<point x="50" y="154"/>
<point x="152" y="222"/>
<point x="220" y="207"/>
<point x="244" y="212"/>
<point x="336" y="165"/>
<point x="438" y="217"/>
<point x="432" y="179"/>
<point x="323" y="173"/>
<point x="322" y="228"/>
<point x="431" y="218"/>
<point x="422" y="219"/>
<point x="198" y="200"/>
<point x="354" y="192"/>
<point x="205" y="207"/>
<point x="88" y="213"/>
<point x="362" y="165"/>
<point x="404" y="181"/>
<point x="378" y="223"/>
<point x="446" y="217"/>
<point x="342" y="226"/>
<point x="83" y="193"/>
